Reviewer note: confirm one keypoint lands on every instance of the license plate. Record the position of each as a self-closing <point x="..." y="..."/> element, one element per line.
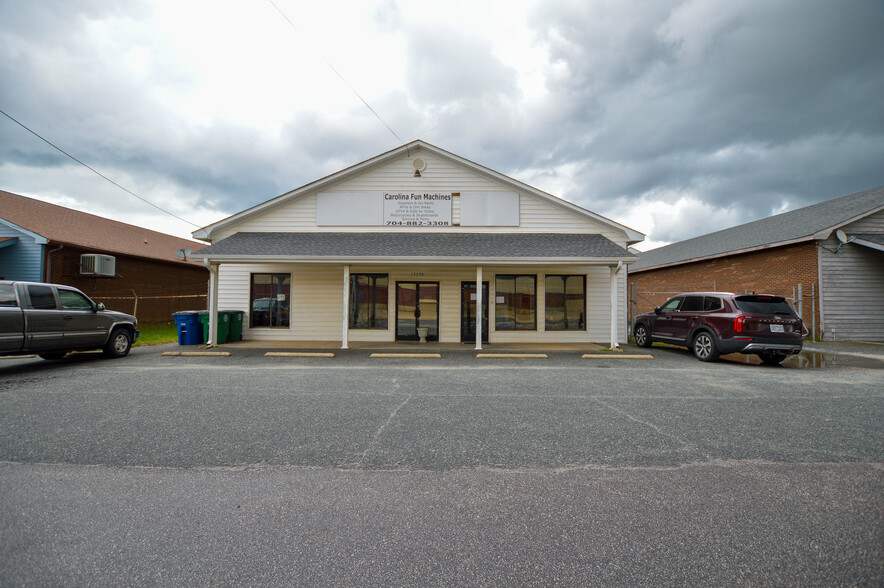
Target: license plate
<point x="776" y="329"/>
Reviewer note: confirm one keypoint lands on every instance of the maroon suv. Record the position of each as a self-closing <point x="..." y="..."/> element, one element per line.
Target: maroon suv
<point x="715" y="323"/>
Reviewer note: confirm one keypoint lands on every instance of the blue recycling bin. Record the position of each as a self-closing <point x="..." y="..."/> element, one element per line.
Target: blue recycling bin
<point x="190" y="329"/>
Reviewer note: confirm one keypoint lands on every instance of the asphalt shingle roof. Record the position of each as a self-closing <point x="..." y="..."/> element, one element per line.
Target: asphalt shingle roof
<point x="788" y="227"/>
<point x="66" y="225"/>
<point x="407" y="245"/>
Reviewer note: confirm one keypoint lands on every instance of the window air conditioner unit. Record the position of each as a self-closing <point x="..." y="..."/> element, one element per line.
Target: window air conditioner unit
<point x="95" y="264"/>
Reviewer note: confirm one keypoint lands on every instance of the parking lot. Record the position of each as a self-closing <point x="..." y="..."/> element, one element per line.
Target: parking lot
<point x="449" y="470"/>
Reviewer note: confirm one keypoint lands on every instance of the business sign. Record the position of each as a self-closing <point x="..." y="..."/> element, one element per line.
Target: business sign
<point x="417" y="209"/>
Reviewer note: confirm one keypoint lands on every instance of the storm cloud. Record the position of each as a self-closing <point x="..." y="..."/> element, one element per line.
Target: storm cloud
<point x="675" y="118"/>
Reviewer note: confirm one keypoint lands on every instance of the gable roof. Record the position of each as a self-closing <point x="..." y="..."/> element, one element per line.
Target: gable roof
<point x="632" y="236"/>
<point x="816" y="221"/>
<point x="72" y="227"/>
<point x="409" y="247"/>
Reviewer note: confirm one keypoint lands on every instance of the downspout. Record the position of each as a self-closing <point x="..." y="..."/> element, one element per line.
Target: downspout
<point x="47" y="274"/>
<point x="615" y="307"/>
<point x="212" y="303"/>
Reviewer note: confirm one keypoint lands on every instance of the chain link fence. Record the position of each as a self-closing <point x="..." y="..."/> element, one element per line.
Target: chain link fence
<point x="805" y="301"/>
<point x="154" y="309"/>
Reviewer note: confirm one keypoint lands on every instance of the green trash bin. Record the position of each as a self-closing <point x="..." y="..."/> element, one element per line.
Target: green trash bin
<point x="223" y="326"/>
<point x="224" y="320"/>
<point x="235" y="328"/>
<point x="204" y="319"/>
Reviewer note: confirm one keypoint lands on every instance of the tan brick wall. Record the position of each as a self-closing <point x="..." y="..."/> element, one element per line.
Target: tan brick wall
<point x="777" y="271"/>
<point x="161" y="287"/>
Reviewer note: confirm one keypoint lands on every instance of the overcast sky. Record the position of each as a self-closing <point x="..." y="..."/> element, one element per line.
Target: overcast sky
<point x="675" y="118"/>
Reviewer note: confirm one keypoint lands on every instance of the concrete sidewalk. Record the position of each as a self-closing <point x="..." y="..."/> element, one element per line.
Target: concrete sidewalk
<point x="854" y="348"/>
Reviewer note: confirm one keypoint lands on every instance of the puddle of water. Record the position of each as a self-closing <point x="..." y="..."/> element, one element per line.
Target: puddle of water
<point x="813" y="360"/>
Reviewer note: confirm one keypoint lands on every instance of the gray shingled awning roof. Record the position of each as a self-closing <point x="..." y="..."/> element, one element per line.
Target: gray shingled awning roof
<point x="429" y="246"/>
<point x="789" y="227"/>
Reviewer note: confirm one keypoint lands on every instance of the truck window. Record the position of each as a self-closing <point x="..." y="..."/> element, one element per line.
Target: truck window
<point x="7" y="295"/>
<point x="41" y="297"/>
<point x="73" y="300"/>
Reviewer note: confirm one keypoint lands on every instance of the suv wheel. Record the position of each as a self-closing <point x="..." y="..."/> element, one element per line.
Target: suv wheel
<point x="119" y="344"/>
<point x="704" y="346"/>
<point x="641" y="335"/>
<point x="772" y="357"/>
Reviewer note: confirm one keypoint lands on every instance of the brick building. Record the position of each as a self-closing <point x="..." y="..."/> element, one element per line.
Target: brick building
<point x="827" y="259"/>
<point x="129" y="268"/>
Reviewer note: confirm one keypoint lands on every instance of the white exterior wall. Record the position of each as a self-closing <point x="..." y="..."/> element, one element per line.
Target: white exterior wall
<point x="535" y="214"/>
<point x="317" y="289"/>
<point x="317" y="301"/>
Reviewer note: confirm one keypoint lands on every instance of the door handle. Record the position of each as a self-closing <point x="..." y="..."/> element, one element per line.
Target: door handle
<point x="68" y="317"/>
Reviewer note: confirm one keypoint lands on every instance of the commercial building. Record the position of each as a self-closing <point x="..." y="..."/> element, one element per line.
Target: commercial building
<point x="416" y="243"/>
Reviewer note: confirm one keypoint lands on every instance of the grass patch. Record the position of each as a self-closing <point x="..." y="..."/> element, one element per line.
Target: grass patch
<point x="157" y="334"/>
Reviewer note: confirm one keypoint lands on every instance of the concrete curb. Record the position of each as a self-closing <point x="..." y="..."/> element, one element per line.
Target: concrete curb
<point x="298" y="354"/>
<point x="406" y="355"/>
<point x="614" y="356"/>
<point x="512" y="355"/>
<point x="196" y="354"/>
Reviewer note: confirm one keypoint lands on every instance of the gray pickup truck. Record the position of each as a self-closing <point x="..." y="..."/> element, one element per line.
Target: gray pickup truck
<point x="51" y="320"/>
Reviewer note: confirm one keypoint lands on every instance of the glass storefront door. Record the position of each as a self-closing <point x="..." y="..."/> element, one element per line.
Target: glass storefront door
<point x="468" y="312"/>
<point x="417" y="305"/>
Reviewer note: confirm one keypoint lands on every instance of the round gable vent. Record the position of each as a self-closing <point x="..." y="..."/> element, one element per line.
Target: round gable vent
<point x="419" y="163"/>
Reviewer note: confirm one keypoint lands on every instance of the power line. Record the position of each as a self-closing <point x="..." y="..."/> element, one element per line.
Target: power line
<point x="328" y="63"/>
<point x="95" y="171"/>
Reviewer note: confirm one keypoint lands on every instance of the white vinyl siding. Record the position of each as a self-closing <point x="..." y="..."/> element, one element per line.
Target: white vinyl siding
<point x="535" y="215"/>
<point x="317" y="301"/>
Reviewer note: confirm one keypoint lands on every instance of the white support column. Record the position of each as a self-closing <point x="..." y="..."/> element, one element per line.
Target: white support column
<point x="615" y="271"/>
<point x="479" y="307"/>
<point x="345" y="324"/>
<point x="213" y="304"/>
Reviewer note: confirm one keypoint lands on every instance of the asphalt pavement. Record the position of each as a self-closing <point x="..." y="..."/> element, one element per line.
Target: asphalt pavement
<point x="449" y="471"/>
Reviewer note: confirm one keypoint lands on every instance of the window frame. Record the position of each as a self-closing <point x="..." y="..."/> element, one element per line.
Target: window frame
<point x="498" y="305"/>
<point x="581" y="321"/>
<point x="373" y="302"/>
<point x="287" y="312"/>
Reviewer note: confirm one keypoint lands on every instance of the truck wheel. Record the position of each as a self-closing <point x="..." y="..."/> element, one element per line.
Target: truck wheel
<point x="704" y="347"/>
<point x="119" y="344"/>
<point x="641" y="335"/>
<point x="54" y="355"/>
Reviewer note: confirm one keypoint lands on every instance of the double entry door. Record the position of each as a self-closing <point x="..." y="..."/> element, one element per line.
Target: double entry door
<point x="417" y="306"/>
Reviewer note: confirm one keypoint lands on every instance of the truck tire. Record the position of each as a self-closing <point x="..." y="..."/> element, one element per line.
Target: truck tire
<point x="119" y="343"/>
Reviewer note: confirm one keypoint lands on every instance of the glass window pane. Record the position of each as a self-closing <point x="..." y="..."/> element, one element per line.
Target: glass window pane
<point x="41" y="297"/>
<point x="516" y="306"/>
<point x="565" y="303"/>
<point x="73" y="300"/>
<point x="270" y="300"/>
<point x="368" y="301"/>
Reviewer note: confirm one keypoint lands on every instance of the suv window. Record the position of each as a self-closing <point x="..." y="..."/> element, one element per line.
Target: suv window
<point x="73" y="300"/>
<point x="692" y="304"/>
<point x="712" y="303"/>
<point x="671" y="305"/>
<point x="41" y="297"/>
<point x="7" y="295"/>
<point x="763" y="304"/>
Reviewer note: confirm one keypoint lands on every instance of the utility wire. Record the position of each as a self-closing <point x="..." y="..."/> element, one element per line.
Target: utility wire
<point x="352" y="89"/>
<point x="95" y="171"/>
